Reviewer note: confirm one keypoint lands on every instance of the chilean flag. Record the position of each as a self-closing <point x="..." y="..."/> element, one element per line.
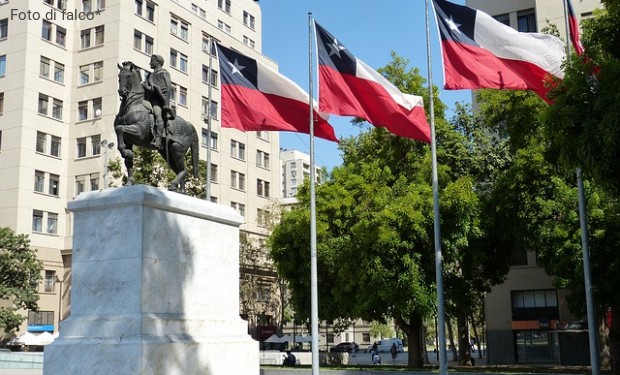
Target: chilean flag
<point x="481" y="52"/>
<point x="349" y="87"/>
<point x="573" y="28"/>
<point x="258" y="98"/>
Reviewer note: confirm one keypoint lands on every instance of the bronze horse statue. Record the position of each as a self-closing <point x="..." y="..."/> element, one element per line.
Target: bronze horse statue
<point x="134" y="123"/>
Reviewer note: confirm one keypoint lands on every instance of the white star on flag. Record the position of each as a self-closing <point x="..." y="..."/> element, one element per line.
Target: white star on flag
<point x="453" y="25"/>
<point x="236" y="68"/>
<point x="335" y="48"/>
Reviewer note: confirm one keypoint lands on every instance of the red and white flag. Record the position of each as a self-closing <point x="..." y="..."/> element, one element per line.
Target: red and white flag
<point x="258" y="98"/>
<point x="481" y="52"/>
<point x="573" y="28"/>
<point x="348" y="87"/>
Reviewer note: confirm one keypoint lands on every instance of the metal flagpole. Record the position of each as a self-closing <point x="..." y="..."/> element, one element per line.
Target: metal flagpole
<point x="314" y="299"/>
<point x="585" y="247"/>
<point x="441" y="315"/>
<point x="208" y="114"/>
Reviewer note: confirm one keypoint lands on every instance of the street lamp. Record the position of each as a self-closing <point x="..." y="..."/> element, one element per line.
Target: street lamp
<point x="106" y="146"/>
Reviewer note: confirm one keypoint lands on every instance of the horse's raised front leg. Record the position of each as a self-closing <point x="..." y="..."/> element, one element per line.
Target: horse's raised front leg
<point x="179" y="181"/>
<point x="125" y="151"/>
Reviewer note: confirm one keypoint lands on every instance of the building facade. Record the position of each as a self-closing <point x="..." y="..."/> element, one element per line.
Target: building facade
<point x="523" y="314"/>
<point x="58" y="100"/>
<point x="295" y="169"/>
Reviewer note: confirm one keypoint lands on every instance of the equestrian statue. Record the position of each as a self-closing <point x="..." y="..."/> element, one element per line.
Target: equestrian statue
<point x="145" y="119"/>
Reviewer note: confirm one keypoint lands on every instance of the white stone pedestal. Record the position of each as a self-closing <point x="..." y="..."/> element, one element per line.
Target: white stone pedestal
<point x="154" y="288"/>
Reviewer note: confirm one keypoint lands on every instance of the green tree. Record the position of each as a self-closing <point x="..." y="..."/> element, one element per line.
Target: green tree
<point x="375" y="227"/>
<point x="20" y="273"/>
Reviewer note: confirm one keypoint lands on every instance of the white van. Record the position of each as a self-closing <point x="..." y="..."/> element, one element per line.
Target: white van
<point x="384" y="346"/>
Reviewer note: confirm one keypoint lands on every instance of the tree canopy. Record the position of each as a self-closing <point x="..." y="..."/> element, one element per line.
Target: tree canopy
<point x="20" y="273"/>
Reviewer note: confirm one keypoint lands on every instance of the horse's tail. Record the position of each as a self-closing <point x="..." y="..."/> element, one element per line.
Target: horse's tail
<point x="194" y="149"/>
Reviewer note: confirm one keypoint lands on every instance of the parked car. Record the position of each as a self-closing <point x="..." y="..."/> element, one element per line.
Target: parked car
<point x="384" y="346"/>
<point x="349" y="347"/>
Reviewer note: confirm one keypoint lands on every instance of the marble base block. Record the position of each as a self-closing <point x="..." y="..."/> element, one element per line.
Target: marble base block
<point x="154" y="288"/>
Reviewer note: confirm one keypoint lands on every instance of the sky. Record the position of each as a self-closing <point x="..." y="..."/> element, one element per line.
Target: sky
<point x="370" y="29"/>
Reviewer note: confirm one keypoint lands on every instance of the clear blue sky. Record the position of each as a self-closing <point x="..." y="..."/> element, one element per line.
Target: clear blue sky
<point x="370" y="29"/>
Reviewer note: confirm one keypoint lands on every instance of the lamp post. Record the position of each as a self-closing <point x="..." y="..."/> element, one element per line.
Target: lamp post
<point x="105" y="146"/>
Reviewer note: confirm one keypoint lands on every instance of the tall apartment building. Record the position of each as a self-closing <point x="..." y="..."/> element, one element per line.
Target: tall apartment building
<point x="522" y="314"/>
<point x="295" y="168"/>
<point x="58" y="99"/>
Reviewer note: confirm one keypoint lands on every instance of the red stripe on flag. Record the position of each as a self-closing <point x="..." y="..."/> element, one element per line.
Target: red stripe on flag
<point x="470" y="67"/>
<point x="347" y="95"/>
<point x="247" y="109"/>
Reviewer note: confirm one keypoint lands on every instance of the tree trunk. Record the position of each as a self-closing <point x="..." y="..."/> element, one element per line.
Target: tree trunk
<point x="464" y="343"/>
<point x="477" y="336"/>
<point x="614" y="341"/>
<point x="413" y="329"/>
<point x="455" y="355"/>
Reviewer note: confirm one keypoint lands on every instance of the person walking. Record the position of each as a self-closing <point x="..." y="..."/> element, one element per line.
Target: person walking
<point x="394" y="352"/>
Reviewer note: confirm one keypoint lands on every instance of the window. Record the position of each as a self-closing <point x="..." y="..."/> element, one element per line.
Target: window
<point x="182" y="96"/>
<point x="199" y="11"/>
<point x="262" y="188"/>
<point x="57" y="109"/>
<point x="37" y="221"/>
<point x="237" y="150"/>
<point x="86" y="71"/>
<point x="179" y="28"/>
<point x="99" y="35"/>
<point x="534" y="304"/>
<point x="139" y="4"/>
<point x="44" y="67"/>
<point x="97" y="107"/>
<point x="262" y="159"/>
<point x="248" y="42"/>
<point x="82" y="110"/>
<point x="148" y="45"/>
<point x="173" y="57"/>
<point x="59" y="72"/>
<point x="248" y="20"/>
<point x="2" y="65"/>
<point x="223" y="26"/>
<point x="86" y="6"/>
<point x="262" y="217"/>
<point x="46" y="31"/>
<point x="85" y="38"/>
<point x="43" y="101"/>
<point x="52" y="223"/>
<point x="95" y="142"/>
<point x="55" y="148"/>
<point x="526" y="21"/>
<point x="4" y="28"/>
<point x="183" y="63"/>
<point x="205" y="139"/>
<point x="40" y="318"/>
<point x="84" y="74"/>
<point x="205" y="74"/>
<point x="264" y="136"/>
<point x="54" y="185"/>
<point x="39" y="181"/>
<point x="237" y="180"/>
<point x="81" y="147"/>
<point x="213" y="172"/>
<point x="49" y="281"/>
<point x="61" y="36"/>
<point x="239" y="207"/>
<point x="94" y="182"/>
<point x="224" y="5"/>
<point x="1" y="103"/>
<point x="41" y="142"/>
<point x="150" y="11"/>
<point x="79" y="185"/>
<point x="214" y="109"/>
<point x="60" y="4"/>
<point x="137" y="40"/>
<point x="214" y="81"/>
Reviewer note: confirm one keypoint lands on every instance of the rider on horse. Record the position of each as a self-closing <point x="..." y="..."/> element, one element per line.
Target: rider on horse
<point x="157" y="90"/>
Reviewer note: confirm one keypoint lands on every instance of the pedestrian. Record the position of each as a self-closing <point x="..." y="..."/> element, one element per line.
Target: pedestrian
<point x="394" y="352"/>
<point x="374" y="350"/>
